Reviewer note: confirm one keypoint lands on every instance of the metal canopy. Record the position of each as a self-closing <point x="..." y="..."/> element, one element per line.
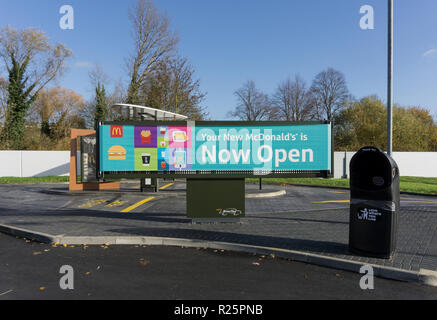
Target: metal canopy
<point x="135" y="112"/>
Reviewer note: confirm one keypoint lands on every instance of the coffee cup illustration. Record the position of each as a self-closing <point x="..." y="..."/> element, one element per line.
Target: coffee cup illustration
<point x="145" y="136"/>
<point x="145" y="158"/>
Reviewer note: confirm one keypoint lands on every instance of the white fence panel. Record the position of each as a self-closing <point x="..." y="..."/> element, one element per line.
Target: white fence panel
<point x="36" y="163"/>
<point x="10" y="163"/>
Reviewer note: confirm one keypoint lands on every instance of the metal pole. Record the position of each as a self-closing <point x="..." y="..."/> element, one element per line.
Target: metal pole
<point x="390" y="79"/>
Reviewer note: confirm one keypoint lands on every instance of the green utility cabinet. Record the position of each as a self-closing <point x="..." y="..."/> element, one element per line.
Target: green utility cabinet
<point x="215" y="200"/>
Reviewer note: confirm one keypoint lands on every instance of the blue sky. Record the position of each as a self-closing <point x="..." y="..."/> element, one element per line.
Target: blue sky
<point x="229" y="42"/>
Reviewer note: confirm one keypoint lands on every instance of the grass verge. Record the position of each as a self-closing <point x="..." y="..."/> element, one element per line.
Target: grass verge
<point x="51" y="179"/>
<point x="420" y="185"/>
<point x="408" y="184"/>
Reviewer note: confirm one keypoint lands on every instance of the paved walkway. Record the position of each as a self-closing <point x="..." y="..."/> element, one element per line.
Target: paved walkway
<point x="305" y="219"/>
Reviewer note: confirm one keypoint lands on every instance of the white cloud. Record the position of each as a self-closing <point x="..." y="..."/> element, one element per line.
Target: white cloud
<point x="430" y="52"/>
<point x="83" y="64"/>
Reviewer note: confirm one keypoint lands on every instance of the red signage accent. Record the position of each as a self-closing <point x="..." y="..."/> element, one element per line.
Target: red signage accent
<point x="116" y="131"/>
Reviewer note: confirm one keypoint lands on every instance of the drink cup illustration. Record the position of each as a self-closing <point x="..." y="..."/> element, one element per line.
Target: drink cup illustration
<point x="145" y="157"/>
<point x="163" y="143"/>
<point x="163" y="165"/>
<point x="145" y="136"/>
<point x="162" y="130"/>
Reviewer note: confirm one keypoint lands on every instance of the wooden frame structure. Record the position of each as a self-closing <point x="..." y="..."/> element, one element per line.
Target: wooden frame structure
<point x="74" y="185"/>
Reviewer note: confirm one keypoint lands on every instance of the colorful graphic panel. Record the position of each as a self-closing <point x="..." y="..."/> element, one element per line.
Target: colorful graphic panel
<point x="207" y="147"/>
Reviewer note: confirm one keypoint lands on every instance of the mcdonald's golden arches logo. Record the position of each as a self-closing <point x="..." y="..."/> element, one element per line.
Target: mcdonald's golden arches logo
<point x="116" y="131"/>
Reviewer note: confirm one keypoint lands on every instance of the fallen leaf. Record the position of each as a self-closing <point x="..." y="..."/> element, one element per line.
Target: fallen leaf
<point x="144" y="262"/>
<point x="256" y="263"/>
<point x="42" y="288"/>
<point x="56" y="243"/>
<point x="87" y="273"/>
<point x="46" y="250"/>
<point x="272" y="256"/>
<point x="35" y="253"/>
<point x="107" y="244"/>
<point x="65" y="245"/>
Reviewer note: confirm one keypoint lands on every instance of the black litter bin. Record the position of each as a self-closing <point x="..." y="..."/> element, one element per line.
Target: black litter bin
<point x="374" y="205"/>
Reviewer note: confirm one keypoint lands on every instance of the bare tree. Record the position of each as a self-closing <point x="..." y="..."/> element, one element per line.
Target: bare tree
<point x="330" y="93"/>
<point x="253" y="104"/>
<point x="293" y="100"/>
<point x="153" y="40"/>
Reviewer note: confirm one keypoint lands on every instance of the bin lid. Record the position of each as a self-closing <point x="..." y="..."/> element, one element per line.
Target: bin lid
<point x="372" y="169"/>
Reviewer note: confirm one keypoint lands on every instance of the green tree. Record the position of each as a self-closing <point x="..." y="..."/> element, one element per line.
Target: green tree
<point x="172" y="87"/>
<point x="31" y="63"/>
<point x="101" y="110"/>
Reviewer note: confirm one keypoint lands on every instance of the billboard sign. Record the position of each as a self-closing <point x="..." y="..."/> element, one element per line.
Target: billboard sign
<point x="219" y="147"/>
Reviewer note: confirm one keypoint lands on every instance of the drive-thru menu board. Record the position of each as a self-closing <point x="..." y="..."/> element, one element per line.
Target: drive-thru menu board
<point x="187" y="148"/>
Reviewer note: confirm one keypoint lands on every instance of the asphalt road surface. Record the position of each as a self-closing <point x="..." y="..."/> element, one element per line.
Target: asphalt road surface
<point x="30" y="270"/>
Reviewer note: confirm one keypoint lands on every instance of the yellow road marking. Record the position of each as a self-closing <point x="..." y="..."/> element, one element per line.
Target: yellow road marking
<point x="166" y="186"/>
<point x="91" y="204"/>
<point x="116" y="203"/>
<point x="333" y="201"/>
<point x="137" y="204"/>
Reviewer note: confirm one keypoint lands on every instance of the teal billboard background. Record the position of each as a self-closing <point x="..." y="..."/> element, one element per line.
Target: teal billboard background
<point x="265" y="147"/>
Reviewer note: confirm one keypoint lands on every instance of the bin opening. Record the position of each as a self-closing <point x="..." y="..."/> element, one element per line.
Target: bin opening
<point x="372" y="170"/>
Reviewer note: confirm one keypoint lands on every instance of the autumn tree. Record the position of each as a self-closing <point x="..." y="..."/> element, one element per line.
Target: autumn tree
<point x="362" y="123"/>
<point x="56" y="111"/>
<point x="153" y="42"/>
<point x="31" y="62"/>
<point x="365" y="123"/>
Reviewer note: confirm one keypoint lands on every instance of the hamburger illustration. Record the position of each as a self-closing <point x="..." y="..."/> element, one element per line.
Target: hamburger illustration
<point x="117" y="153"/>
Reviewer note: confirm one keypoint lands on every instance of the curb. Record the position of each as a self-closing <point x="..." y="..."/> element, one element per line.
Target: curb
<point x="28" y="234"/>
<point x="155" y="194"/>
<point x="424" y="276"/>
<point x="344" y="188"/>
